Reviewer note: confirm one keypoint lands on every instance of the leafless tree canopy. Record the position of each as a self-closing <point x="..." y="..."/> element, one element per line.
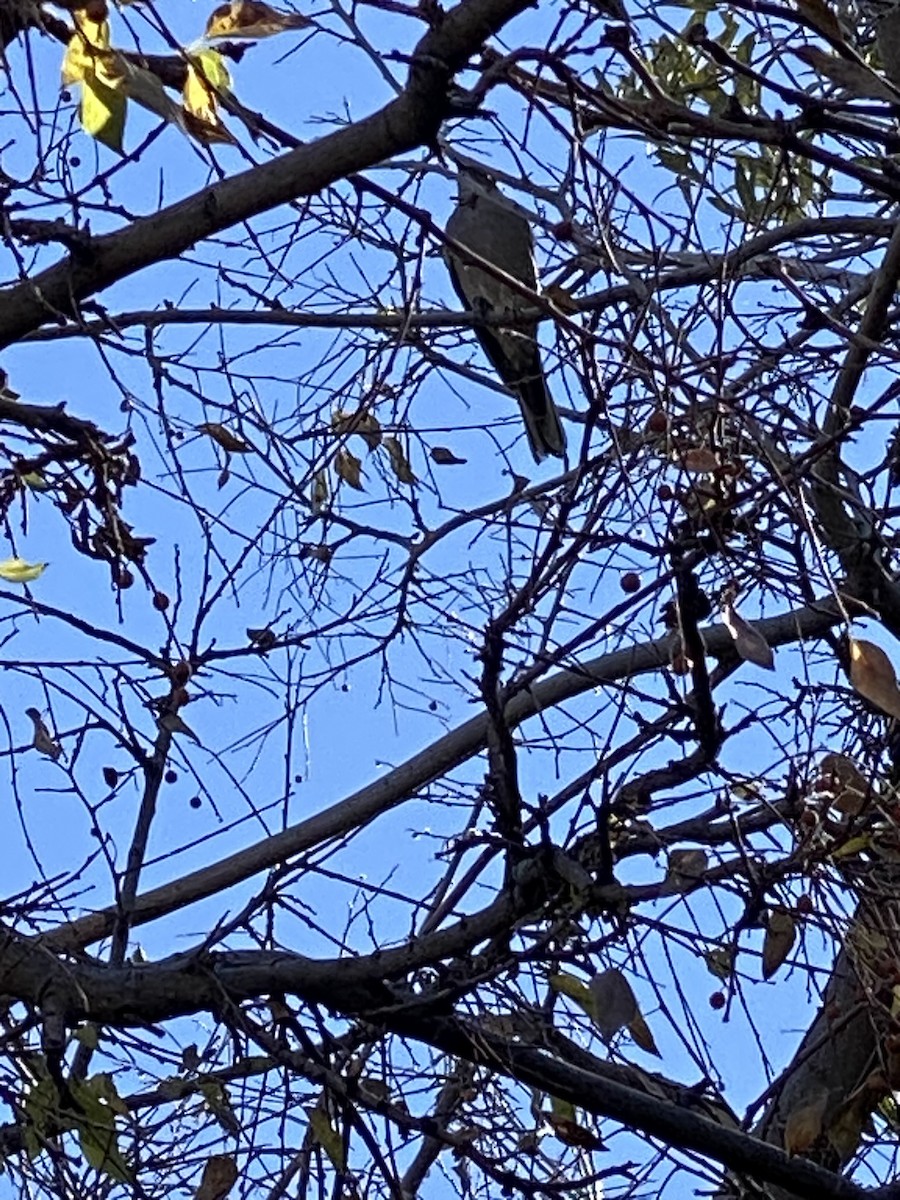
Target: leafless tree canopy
<point x="385" y="815"/>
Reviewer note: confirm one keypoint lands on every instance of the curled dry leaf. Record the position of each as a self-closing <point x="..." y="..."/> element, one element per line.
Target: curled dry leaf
<point x="251" y="19"/>
<point x="219" y="1177"/>
<point x="685" y="868"/>
<point x="840" y="778"/>
<point x="781" y="933"/>
<point x="445" y="458"/>
<point x="223" y="436"/>
<point x="720" y="961"/>
<point x="399" y="461"/>
<point x="615" y="1004"/>
<point x="349" y="468"/>
<point x="320" y="492"/>
<point x="641" y="1035"/>
<point x="699" y="461"/>
<point x="748" y="641"/>
<point x="364" y="423"/>
<point x="873" y="676"/>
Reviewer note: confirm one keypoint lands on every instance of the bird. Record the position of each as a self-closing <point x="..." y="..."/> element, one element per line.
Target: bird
<point x="42" y="740"/>
<point x="488" y="224"/>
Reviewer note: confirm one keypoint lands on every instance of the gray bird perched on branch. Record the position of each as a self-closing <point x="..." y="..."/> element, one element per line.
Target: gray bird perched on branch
<point x="488" y="224"/>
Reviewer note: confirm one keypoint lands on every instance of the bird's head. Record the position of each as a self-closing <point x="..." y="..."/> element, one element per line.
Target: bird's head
<point x="474" y="181"/>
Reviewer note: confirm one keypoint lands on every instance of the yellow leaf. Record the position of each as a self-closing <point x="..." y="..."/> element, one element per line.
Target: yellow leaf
<point x="94" y="30"/>
<point x="873" y="677"/>
<point x="223" y="436"/>
<point x="853" y="846"/>
<point x="102" y="112"/>
<point x="35" y="481"/>
<point x="251" y="19"/>
<point x="199" y="98"/>
<point x="17" y="570"/>
<point x="349" y="468"/>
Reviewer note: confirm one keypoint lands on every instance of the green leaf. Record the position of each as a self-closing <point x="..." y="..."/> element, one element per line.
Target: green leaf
<point x="96" y="1128"/>
<point x="327" y="1137"/>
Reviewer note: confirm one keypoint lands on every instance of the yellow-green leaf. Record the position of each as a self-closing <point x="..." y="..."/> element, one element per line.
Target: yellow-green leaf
<point x="327" y="1137"/>
<point x="102" y="112"/>
<point x="17" y="570"/>
<point x="568" y="985"/>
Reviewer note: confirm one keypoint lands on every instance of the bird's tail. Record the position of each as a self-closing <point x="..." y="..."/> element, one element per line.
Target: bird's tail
<point x="545" y="432"/>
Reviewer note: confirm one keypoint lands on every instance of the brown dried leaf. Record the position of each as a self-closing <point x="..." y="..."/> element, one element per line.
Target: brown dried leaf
<point x="349" y="468"/>
<point x="685" y="868"/>
<point x="366" y="424"/>
<point x="699" y="461"/>
<point x="781" y="933"/>
<point x="840" y="777"/>
<point x="224" y="437"/>
<point x="570" y="1133"/>
<point x="873" y="677"/>
<point x="748" y="641"/>
<point x="251" y="19"/>
<point x="320" y="492"/>
<point x="640" y="1032"/>
<point x="399" y="461"/>
<point x="219" y="1177"/>
<point x="445" y="458"/>
<point x="803" y="1126"/>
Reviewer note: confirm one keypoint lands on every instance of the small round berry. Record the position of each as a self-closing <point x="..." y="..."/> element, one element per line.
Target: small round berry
<point x="805" y="905"/>
<point x="630" y="582"/>
<point x="195" y="802"/>
<point x="160" y="601"/>
<point x="664" y="492"/>
<point x="171" y="776"/>
<point x="717" y="1000"/>
<point x="658" y="422"/>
